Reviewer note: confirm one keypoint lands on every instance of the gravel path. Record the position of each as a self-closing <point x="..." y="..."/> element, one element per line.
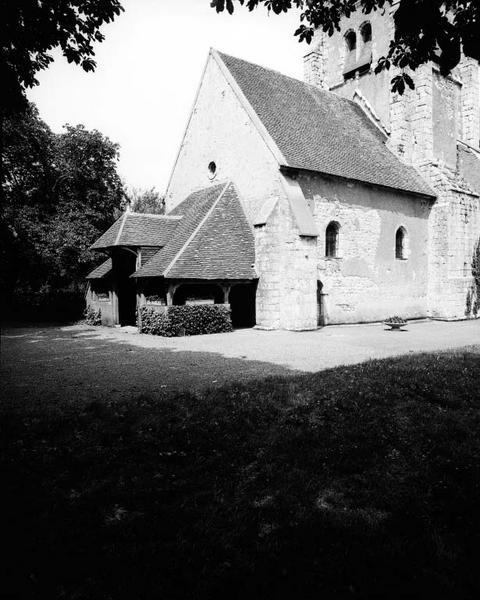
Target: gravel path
<point x="99" y="362"/>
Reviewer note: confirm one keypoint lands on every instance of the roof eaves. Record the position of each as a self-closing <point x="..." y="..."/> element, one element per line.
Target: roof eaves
<point x="258" y="124"/>
<point x="287" y="169"/>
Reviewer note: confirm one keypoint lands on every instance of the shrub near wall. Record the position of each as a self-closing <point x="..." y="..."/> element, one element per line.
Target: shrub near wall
<point x="186" y="320"/>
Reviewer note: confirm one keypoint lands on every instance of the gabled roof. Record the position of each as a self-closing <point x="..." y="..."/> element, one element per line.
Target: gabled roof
<point x="212" y="241"/>
<point x="316" y="130"/>
<point x="138" y="229"/>
<point x="102" y="271"/>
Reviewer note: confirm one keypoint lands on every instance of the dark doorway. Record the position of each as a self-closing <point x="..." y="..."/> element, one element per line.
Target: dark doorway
<point x="126" y="287"/>
<point x="320" y="305"/>
<point x="242" y="304"/>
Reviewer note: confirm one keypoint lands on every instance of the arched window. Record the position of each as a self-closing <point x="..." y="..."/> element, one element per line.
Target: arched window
<point x="401" y="243"/>
<point x="365" y="54"/>
<point x="366" y="32"/>
<point x="331" y="239"/>
<point x="351" y="40"/>
<point x="351" y="54"/>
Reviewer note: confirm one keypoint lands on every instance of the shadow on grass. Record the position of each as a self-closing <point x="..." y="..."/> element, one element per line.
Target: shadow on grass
<point x="357" y="482"/>
<point x="51" y="364"/>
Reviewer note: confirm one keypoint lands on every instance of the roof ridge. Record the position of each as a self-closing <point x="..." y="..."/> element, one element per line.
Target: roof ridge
<point x="196" y="230"/>
<point x="120" y="231"/>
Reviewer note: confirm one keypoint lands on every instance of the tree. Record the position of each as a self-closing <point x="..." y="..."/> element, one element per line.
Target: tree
<point x="146" y="201"/>
<point x="61" y="191"/>
<point x="31" y="29"/>
<point x="425" y="30"/>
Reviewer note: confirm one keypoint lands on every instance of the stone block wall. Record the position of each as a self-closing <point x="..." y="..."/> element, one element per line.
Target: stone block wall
<point x="454" y="231"/>
<point x="367" y="282"/>
<point x="286" y="265"/>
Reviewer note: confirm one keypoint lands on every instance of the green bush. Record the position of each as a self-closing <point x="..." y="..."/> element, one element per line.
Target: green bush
<point x="186" y="320"/>
<point x="92" y="316"/>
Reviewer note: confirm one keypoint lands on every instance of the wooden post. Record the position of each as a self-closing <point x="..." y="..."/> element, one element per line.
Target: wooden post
<point x="226" y="292"/>
<point x="170" y="292"/>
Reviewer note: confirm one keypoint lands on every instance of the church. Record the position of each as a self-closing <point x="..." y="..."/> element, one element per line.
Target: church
<point x="307" y="203"/>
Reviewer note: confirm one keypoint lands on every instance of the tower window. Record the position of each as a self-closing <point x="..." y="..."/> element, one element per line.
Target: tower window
<point x="366" y="32"/>
<point x="351" y="40"/>
<point x="401" y="244"/>
<point x="351" y="54"/>
<point x="331" y="239"/>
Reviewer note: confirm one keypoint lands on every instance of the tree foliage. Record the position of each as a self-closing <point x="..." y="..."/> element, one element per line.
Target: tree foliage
<point x="146" y="201"/>
<point x="60" y="192"/>
<point x="425" y="30"/>
<point x="31" y="29"/>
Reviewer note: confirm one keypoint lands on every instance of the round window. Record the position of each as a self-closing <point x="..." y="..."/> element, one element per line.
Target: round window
<point x="212" y="169"/>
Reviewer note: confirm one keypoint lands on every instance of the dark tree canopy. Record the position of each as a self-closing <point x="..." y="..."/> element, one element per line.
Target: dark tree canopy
<point x="425" y="30"/>
<point x="146" y="201"/>
<point x="60" y="192"/>
<point x="31" y="29"/>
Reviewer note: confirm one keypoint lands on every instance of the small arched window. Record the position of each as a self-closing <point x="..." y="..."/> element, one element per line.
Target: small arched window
<point x="366" y="32"/>
<point x="331" y="239"/>
<point x="401" y="244"/>
<point x="351" y="40"/>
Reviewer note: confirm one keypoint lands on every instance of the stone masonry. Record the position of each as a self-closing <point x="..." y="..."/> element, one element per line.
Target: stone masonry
<point x="426" y="126"/>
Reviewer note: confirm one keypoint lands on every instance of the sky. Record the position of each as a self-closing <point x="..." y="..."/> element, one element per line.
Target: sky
<point x="148" y="70"/>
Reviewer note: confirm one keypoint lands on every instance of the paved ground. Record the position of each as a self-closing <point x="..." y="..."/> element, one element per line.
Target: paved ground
<point x="81" y="361"/>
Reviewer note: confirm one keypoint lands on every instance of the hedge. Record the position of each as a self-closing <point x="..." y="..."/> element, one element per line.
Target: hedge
<point x="185" y="320"/>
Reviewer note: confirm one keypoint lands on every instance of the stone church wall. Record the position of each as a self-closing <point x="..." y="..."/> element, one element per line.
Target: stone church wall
<point x="425" y="126"/>
<point x="366" y="282"/>
<point x="220" y="130"/>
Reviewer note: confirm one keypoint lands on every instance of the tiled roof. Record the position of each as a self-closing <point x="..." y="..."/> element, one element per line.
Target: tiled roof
<point x="138" y="229"/>
<point x="319" y="131"/>
<point x="212" y="241"/>
<point x="148" y="252"/>
<point x="101" y="271"/>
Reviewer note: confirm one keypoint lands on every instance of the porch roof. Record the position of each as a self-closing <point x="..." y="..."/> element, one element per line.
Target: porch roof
<point x="102" y="271"/>
<point x="138" y="229"/>
<point x="212" y="241"/>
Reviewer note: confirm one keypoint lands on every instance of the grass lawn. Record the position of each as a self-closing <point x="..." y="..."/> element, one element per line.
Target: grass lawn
<point x="358" y="482"/>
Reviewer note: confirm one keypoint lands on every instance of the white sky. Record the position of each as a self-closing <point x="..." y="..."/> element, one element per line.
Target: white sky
<point x="148" y="70"/>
